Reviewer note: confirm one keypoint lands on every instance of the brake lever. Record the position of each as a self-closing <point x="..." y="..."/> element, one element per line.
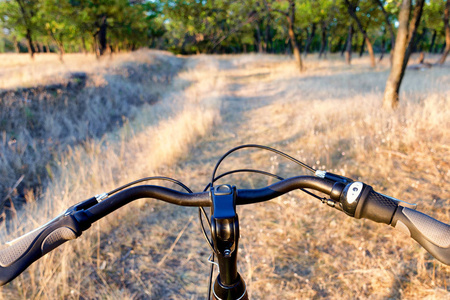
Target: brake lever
<point x="401" y="202"/>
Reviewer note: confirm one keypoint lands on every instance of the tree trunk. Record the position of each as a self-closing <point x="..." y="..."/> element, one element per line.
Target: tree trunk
<point x="361" y="49"/>
<point x="352" y="11"/>
<point x="390" y="100"/>
<point x="61" y="53"/>
<point x="310" y="37"/>
<point x="433" y="41"/>
<point x="348" y="52"/>
<point x="259" y="39"/>
<point x="58" y="43"/>
<point x="340" y="45"/>
<point x="421" y="58"/>
<point x="371" y="53"/>
<point x="447" y="33"/>
<point x="383" y="48"/>
<point x="262" y="36"/>
<point x="83" y="45"/>
<point x="389" y="25"/>
<point x="28" y="34"/>
<point x="16" y="44"/>
<point x="323" y="40"/>
<point x="95" y="46"/>
<point x="102" y="36"/>
<point x="413" y="25"/>
<point x="418" y="45"/>
<point x="268" y="35"/>
<point x="404" y="45"/>
<point x="60" y="50"/>
<point x="31" y="49"/>
<point x="111" y="50"/>
<point x="295" y="48"/>
<point x="292" y="37"/>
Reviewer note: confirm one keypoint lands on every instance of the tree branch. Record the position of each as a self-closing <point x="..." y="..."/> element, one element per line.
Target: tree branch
<point x="284" y="13"/>
<point x="388" y="23"/>
<point x="351" y="11"/>
<point x="413" y="25"/>
<point x="253" y="16"/>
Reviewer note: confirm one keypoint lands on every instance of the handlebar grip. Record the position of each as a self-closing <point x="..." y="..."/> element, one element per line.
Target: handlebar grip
<point x="430" y="233"/>
<point x="25" y="250"/>
<point x="361" y="201"/>
<point x="376" y="207"/>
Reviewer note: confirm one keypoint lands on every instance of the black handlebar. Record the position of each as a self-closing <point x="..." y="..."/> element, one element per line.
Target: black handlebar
<point x="356" y="199"/>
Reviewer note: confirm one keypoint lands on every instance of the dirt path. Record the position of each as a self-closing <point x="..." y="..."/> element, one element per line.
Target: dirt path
<point x="292" y="247"/>
<point x="286" y="251"/>
<point x="184" y="270"/>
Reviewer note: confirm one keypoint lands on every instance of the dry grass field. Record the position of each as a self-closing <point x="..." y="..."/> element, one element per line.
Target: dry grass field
<point x="293" y="247"/>
<point x="82" y="99"/>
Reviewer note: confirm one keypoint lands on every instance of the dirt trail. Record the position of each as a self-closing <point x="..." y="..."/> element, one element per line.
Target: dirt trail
<point x="184" y="269"/>
<point x="291" y="247"/>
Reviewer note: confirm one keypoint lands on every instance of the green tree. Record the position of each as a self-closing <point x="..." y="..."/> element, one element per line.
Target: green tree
<point x="57" y="19"/>
<point x="19" y="16"/>
<point x="353" y="7"/>
<point x="287" y="9"/>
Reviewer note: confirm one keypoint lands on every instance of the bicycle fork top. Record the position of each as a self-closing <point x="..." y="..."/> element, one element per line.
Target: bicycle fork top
<point x="225" y="237"/>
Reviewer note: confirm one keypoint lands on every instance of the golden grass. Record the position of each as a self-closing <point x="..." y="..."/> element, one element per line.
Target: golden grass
<point x="292" y="247"/>
<point x="19" y="70"/>
<point x="38" y="123"/>
<point x="167" y="129"/>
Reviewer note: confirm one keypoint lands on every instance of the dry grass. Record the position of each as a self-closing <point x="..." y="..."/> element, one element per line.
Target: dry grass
<point x="19" y="70"/>
<point x="167" y="129"/>
<point x="292" y="247"/>
<point x="38" y="123"/>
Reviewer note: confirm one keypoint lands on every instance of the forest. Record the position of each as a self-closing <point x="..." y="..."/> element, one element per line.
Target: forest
<point x="193" y="27"/>
<point x="220" y="26"/>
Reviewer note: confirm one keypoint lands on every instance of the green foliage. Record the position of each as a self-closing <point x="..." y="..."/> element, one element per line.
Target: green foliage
<point x="193" y="26"/>
<point x="11" y="16"/>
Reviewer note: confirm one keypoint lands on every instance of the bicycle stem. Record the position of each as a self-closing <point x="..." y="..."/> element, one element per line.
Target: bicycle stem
<point x="225" y="236"/>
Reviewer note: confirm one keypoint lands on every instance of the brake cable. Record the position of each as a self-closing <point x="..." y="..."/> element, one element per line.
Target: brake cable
<point x="149" y="179"/>
<point x="259" y="147"/>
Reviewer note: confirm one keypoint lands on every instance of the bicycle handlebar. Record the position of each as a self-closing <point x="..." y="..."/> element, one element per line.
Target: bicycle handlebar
<point x="356" y="199"/>
<point x="25" y="250"/>
<point x="430" y="233"/>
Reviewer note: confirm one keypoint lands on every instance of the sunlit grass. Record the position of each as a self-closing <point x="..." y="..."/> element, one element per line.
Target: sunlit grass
<point x="291" y="248"/>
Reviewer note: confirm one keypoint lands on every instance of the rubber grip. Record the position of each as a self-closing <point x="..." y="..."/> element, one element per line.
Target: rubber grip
<point x="17" y="249"/>
<point x="375" y="207"/>
<point x="56" y="238"/>
<point x="22" y="252"/>
<point x="430" y="233"/>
